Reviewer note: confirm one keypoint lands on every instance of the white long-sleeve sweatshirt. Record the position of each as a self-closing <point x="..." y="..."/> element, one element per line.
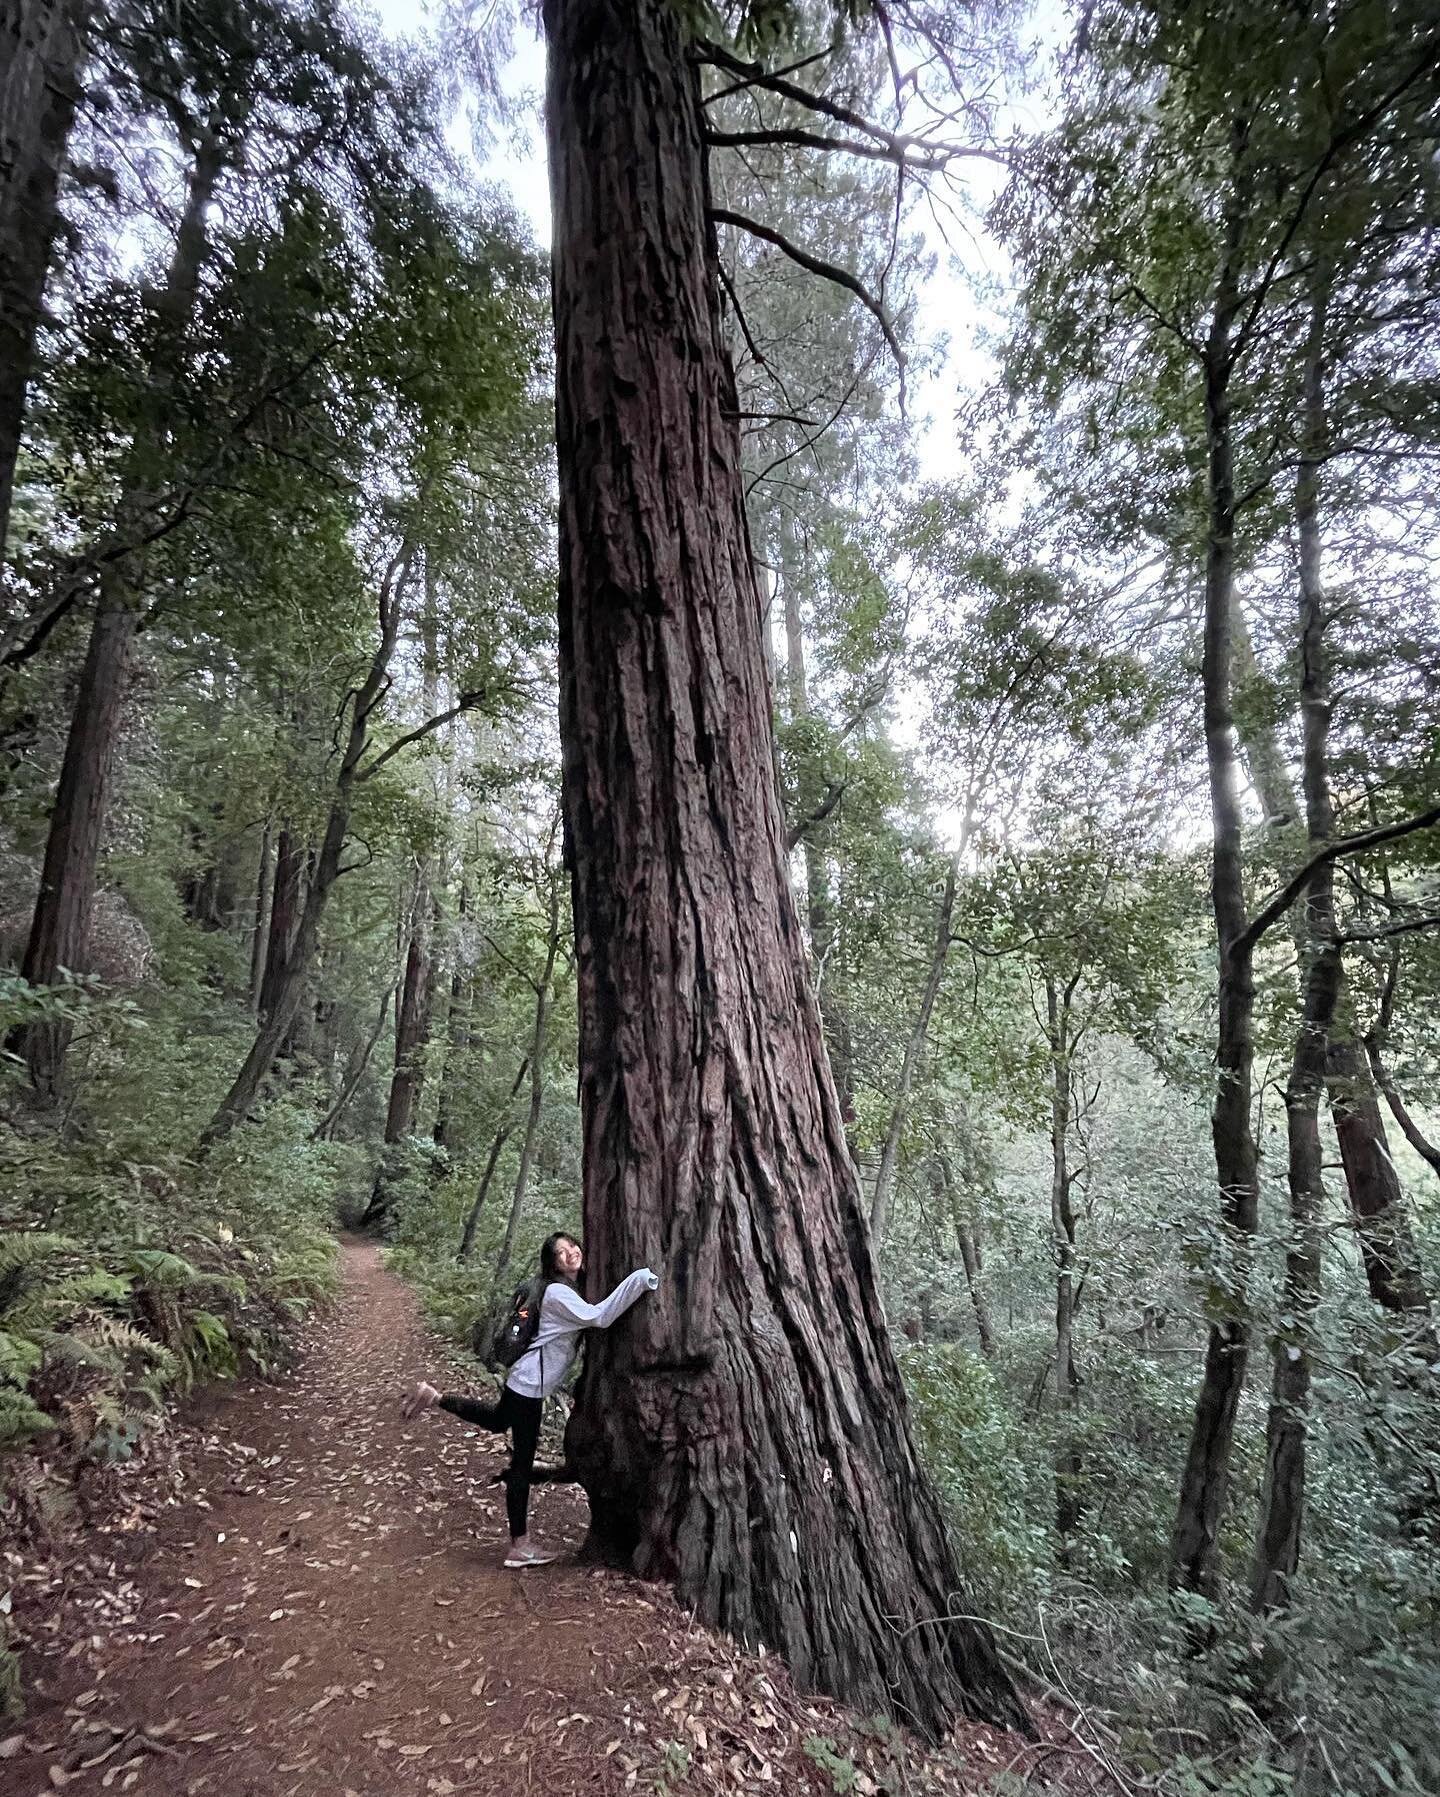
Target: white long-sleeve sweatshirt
<point x="563" y="1314"/>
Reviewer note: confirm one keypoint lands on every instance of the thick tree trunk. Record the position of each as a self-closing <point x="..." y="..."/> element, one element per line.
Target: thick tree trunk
<point x="910" y="1062"/>
<point x="1194" y="1548"/>
<point x="41" y="50"/>
<point x="72" y="849"/>
<point x="1282" y="1496"/>
<point x="743" y="1433"/>
<point x="59" y="934"/>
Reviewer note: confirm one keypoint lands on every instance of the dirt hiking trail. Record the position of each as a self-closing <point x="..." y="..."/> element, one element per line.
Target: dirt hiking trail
<point x="323" y="1610"/>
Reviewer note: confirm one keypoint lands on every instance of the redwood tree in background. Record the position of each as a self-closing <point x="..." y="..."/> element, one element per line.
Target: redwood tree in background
<point x="745" y="1433"/>
<point x="41" y="45"/>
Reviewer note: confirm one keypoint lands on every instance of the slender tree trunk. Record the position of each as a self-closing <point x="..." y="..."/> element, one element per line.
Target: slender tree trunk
<point x="967" y="1238"/>
<point x="974" y="1283"/>
<point x="260" y="941"/>
<point x="819" y="899"/>
<point x="744" y="1432"/>
<point x="412" y="1035"/>
<point x="790" y="582"/>
<point x="910" y="1061"/>
<point x="59" y="933"/>
<point x="1387" y="1243"/>
<point x="1391" y="1257"/>
<point x="457" y="1031"/>
<point x="1282" y="1497"/>
<point x="1068" y="1466"/>
<point x="537" y="1092"/>
<point x="412" y="1020"/>
<point x="1194" y="1563"/>
<point x="1409" y="1128"/>
<point x="497" y="1142"/>
<point x="284" y="918"/>
<point x="1377" y="1039"/>
<point x="354" y="1074"/>
<point x="41" y="51"/>
<point x="275" y="1026"/>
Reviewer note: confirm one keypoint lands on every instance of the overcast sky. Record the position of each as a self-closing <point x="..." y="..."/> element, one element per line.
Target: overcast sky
<point x="948" y="308"/>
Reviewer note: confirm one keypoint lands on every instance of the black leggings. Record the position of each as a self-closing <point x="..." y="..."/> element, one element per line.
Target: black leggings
<point x="521" y="1416"/>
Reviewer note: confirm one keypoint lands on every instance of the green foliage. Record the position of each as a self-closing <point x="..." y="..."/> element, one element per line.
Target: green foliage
<point x="972" y="1447"/>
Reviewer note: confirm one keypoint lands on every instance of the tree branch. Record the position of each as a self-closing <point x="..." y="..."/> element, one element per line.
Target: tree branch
<point x="468" y="702"/>
<point x="816" y="265"/>
<point x="1407" y="928"/>
<point x="798" y="831"/>
<point x="925" y="160"/>
<point x="1276" y="908"/>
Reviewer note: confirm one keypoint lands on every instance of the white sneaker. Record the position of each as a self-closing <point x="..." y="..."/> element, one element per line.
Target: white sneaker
<point x="528" y="1556"/>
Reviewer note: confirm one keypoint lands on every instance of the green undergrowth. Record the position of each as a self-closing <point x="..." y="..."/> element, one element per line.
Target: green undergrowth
<point x="133" y="1272"/>
<point x="1187" y="1697"/>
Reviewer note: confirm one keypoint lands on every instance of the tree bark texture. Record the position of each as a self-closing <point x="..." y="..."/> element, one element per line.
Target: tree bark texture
<point x="1387" y="1242"/>
<point x="1194" y="1548"/>
<point x="41" y="49"/>
<point x="284" y="918"/>
<point x="59" y="932"/>
<point x="743" y="1433"/>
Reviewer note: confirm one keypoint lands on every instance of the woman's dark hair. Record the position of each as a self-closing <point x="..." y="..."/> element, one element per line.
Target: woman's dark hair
<point x="549" y="1262"/>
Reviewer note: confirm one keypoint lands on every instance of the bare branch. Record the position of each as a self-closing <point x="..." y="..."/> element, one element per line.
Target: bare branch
<point x="830" y="272"/>
<point x="468" y="702"/>
<point x="801" y="828"/>
<point x="1276" y="908"/>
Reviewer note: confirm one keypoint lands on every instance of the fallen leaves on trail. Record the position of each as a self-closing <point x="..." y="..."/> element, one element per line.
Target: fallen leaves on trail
<point x="311" y="1599"/>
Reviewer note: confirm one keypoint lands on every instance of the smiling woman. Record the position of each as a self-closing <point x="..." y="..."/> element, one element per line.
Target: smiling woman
<point x="538" y="1343"/>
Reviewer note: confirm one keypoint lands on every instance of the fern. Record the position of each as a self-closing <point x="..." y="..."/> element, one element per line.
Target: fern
<point x="20" y="1417"/>
<point x="19" y="1357"/>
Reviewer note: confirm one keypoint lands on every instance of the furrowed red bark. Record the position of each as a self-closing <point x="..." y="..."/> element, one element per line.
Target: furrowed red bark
<point x="743" y="1433"/>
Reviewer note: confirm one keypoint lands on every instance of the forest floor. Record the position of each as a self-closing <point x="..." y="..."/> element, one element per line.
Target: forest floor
<point x="311" y="1599"/>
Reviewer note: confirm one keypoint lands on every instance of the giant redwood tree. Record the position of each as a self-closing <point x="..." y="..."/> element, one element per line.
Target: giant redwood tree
<point x="745" y="1435"/>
